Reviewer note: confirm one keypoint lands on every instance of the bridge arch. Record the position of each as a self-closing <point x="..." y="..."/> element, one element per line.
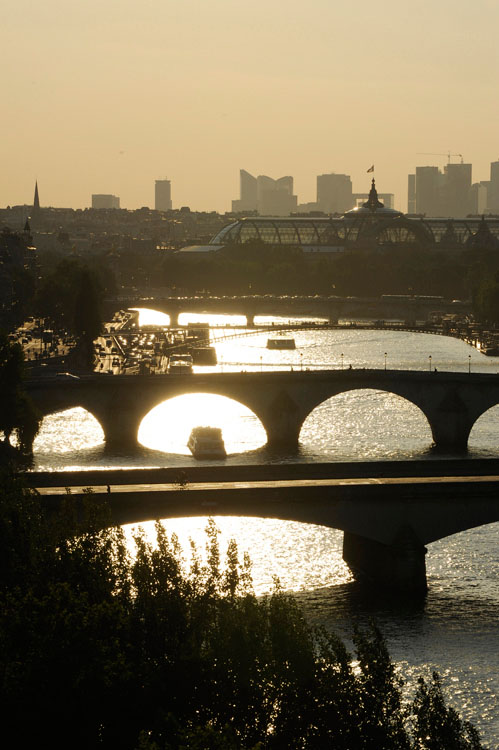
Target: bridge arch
<point x="152" y="316"/>
<point x="167" y="425"/>
<point x="363" y="421"/>
<point x="485" y="430"/>
<point x="68" y="430"/>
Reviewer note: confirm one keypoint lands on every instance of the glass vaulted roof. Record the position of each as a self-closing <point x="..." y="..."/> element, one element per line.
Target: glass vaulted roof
<point x="285" y="231"/>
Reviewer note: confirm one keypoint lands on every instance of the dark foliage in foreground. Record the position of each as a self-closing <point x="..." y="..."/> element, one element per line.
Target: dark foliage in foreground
<point x="98" y="649"/>
<point x="18" y="415"/>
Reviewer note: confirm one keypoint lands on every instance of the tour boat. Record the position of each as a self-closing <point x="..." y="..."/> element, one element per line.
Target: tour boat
<point x="180" y="364"/>
<point x="206" y="442"/>
<point x="281" y="342"/>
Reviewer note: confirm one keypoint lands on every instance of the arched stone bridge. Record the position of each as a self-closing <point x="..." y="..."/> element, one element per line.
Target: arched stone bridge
<point x="451" y="402"/>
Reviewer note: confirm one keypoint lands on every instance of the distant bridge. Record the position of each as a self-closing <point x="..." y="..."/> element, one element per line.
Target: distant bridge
<point x="451" y="402"/>
<point x="328" y="306"/>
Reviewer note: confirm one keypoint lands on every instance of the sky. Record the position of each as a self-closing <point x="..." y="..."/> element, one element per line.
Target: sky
<point x="106" y="96"/>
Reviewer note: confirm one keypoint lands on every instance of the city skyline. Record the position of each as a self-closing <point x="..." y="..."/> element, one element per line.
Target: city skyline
<point x="106" y="100"/>
<point x="334" y="194"/>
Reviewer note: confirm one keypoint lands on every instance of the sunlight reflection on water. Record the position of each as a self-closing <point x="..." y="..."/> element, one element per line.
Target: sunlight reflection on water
<point x="167" y="427"/>
<point x="301" y="556"/>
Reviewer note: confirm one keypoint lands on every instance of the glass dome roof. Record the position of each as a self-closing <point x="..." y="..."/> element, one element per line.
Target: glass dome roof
<point x="277" y="231"/>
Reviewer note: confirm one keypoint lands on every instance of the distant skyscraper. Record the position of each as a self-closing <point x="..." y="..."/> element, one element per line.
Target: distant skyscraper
<point x="456" y="190"/>
<point x="101" y="200"/>
<point x="267" y="196"/>
<point x="446" y="193"/>
<point x="247" y="190"/>
<point x="493" y="192"/>
<point x="334" y="193"/>
<point x="275" y="197"/>
<point x="479" y="198"/>
<point x="428" y="188"/>
<point x="411" y="194"/>
<point x="163" y="195"/>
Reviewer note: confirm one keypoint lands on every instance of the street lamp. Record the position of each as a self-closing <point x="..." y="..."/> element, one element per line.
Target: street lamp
<point x="429" y="360"/>
<point x="301" y="361"/>
<point x="261" y="362"/>
<point x="341" y="355"/>
<point x="385" y="360"/>
<point x="469" y="363"/>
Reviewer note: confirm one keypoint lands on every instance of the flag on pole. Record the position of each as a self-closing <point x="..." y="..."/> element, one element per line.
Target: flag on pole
<point x="371" y="169"/>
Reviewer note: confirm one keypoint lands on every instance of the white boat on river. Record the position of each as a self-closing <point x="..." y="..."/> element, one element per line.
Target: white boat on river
<point x="206" y="442"/>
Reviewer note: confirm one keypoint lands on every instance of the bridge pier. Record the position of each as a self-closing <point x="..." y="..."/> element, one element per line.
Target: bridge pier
<point x="282" y="422"/>
<point x="451" y="429"/>
<point x="399" y="565"/>
<point x="173" y="314"/>
<point x="283" y="442"/>
<point x="120" y="429"/>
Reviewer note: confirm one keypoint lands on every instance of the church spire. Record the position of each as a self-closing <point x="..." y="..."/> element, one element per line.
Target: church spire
<point x="36" y="200"/>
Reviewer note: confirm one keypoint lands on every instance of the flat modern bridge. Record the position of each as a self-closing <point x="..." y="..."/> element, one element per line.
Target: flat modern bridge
<point x="387" y="520"/>
<point x="451" y="402"/>
<point x="331" y="307"/>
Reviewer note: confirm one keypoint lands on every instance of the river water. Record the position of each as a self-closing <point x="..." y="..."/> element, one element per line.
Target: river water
<point x="456" y="629"/>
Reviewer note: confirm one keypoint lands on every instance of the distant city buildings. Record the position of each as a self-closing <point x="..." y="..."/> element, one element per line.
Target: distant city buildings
<point x="432" y="191"/>
<point x="334" y="193"/>
<point x="493" y="188"/>
<point x="148" y="232"/>
<point x="266" y="196"/>
<point x="372" y="225"/>
<point x="451" y="192"/>
<point x="100" y="200"/>
<point x="163" y="195"/>
<point x="247" y="193"/>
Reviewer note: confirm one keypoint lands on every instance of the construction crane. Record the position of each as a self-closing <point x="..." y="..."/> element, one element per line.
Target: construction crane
<point x="448" y="155"/>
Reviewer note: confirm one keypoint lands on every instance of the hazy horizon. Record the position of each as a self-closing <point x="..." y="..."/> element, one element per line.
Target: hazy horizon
<point x="108" y="97"/>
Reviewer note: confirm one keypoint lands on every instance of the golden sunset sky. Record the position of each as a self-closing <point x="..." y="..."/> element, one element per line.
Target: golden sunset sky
<point x="107" y="96"/>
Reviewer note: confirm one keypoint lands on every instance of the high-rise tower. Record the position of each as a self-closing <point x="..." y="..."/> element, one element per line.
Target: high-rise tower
<point x="265" y="195"/>
<point x="493" y="196"/>
<point x="334" y="193"/>
<point x="163" y="195"/>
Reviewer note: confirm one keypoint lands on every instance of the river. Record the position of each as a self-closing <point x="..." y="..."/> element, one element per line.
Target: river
<point x="456" y="629"/>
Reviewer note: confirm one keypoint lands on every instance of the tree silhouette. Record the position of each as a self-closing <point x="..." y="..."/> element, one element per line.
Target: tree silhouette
<point x="104" y="648"/>
<point x="18" y="416"/>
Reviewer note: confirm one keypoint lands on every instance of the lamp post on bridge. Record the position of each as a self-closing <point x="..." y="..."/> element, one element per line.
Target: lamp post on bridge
<point x="469" y="363"/>
<point x="429" y="361"/>
<point x="301" y="361"/>
<point x="261" y="363"/>
<point x="341" y="355"/>
<point x="385" y="360"/>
